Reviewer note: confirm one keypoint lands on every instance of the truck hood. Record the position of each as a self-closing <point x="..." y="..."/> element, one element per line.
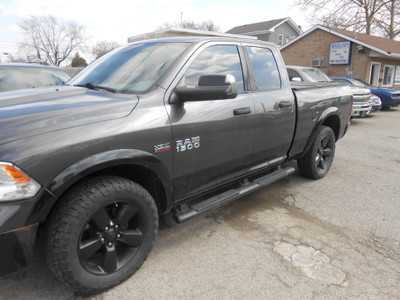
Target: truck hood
<point x="31" y="112"/>
<point x="358" y="90"/>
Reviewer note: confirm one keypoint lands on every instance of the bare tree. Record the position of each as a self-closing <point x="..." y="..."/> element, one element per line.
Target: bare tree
<point x="189" y="24"/>
<point x="52" y="39"/>
<point x="103" y="47"/>
<point x="362" y="15"/>
<point x="11" y="58"/>
<point x="389" y="19"/>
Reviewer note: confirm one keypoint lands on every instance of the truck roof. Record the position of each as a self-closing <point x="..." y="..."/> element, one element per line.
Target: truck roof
<point x="194" y="39"/>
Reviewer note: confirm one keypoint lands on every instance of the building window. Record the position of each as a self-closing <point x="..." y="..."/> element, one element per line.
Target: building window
<point x="280" y="39"/>
<point x="388" y="75"/>
<point x="397" y="77"/>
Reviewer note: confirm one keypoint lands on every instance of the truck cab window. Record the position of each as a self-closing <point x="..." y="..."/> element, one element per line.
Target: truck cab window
<point x="265" y="70"/>
<point x="215" y="60"/>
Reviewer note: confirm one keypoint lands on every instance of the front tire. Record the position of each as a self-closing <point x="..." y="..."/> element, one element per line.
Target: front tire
<point x="100" y="233"/>
<point x="318" y="159"/>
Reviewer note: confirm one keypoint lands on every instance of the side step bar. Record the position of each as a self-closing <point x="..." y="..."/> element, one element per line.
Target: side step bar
<point x="230" y="195"/>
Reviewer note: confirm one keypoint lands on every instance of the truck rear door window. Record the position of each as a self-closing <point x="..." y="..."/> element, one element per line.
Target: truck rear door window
<point x="216" y="60"/>
<point x="265" y="70"/>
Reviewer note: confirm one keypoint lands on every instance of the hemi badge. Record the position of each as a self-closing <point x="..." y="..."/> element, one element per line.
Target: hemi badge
<point x="162" y="147"/>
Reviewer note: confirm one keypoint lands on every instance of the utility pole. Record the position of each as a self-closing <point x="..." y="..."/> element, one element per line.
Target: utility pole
<point x="181" y="19"/>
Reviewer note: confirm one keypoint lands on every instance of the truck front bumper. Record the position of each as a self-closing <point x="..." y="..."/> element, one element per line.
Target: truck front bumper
<point x="16" y="248"/>
<point x="361" y="108"/>
<point x="19" y="222"/>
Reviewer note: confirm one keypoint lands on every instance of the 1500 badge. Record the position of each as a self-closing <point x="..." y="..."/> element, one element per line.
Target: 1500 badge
<point x="188" y="144"/>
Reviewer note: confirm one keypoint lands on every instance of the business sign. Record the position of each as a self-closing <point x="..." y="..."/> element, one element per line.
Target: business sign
<point x="339" y="53"/>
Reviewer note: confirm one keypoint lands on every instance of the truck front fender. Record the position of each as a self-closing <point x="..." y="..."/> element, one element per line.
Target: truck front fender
<point x="109" y="160"/>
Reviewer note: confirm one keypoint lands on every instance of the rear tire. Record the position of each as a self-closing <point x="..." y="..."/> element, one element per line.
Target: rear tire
<point x="100" y="233"/>
<point x="318" y="159"/>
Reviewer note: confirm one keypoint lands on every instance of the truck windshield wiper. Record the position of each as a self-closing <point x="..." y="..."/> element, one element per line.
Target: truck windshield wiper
<point x="92" y="86"/>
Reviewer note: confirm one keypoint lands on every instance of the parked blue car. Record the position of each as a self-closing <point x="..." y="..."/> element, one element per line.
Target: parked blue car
<point x="389" y="97"/>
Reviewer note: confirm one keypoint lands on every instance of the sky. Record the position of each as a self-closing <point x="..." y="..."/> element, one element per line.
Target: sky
<point x="116" y="20"/>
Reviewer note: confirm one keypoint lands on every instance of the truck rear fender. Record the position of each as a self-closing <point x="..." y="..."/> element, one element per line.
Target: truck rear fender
<point x="330" y="117"/>
<point x="136" y="165"/>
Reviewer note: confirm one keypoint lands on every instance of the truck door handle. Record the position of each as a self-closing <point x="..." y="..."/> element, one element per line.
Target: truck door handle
<point x="242" y="111"/>
<point x="284" y="104"/>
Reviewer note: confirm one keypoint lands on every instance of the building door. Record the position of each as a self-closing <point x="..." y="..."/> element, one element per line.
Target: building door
<point x="374" y="73"/>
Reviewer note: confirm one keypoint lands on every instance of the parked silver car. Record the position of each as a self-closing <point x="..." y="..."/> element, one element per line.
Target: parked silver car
<point x="362" y="103"/>
<point x="376" y="100"/>
<point x="16" y="76"/>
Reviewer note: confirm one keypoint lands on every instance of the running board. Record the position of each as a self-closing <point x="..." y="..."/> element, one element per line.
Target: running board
<point x="233" y="194"/>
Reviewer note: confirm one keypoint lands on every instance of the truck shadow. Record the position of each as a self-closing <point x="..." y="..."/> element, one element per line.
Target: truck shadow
<point x="34" y="282"/>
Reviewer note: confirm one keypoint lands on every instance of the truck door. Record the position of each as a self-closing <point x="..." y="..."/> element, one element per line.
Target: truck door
<point x="213" y="139"/>
<point x="274" y="114"/>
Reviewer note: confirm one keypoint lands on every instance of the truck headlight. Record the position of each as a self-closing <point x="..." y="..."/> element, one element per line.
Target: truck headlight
<point x="15" y="184"/>
<point x="376" y="99"/>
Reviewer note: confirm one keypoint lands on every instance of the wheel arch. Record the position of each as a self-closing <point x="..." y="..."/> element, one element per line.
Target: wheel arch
<point x="330" y="118"/>
<point x="136" y="165"/>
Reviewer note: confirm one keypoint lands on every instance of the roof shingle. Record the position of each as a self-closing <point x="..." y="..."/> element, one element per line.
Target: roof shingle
<point x="390" y="46"/>
<point x="255" y="26"/>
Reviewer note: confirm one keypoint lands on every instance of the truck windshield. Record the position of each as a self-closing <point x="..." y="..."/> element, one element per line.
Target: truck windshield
<point x="316" y="75"/>
<point x="130" y="69"/>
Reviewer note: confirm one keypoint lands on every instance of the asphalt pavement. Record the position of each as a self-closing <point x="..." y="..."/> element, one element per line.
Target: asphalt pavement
<point x="334" y="238"/>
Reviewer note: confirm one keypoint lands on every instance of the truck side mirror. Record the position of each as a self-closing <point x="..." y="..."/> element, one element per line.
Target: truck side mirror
<point x="210" y="87"/>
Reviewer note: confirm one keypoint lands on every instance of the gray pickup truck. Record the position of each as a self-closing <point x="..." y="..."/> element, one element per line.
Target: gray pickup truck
<point x="168" y="126"/>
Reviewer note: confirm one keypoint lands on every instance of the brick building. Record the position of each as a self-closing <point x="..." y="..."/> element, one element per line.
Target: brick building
<point x="340" y="52"/>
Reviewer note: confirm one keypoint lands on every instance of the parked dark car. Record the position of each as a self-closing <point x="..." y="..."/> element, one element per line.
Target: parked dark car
<point x="16" y="76"/>
<point x="389" y="97"/>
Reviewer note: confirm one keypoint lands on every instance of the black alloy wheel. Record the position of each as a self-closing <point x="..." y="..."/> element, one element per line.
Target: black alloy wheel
<point x="111" y="238"/>
<point x="316" y="162"/>
<point x="323" y="157"/>
<point x="100" y="233"/>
